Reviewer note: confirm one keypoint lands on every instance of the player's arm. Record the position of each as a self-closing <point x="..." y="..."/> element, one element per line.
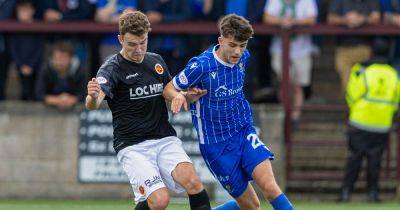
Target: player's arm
<point x="176" y="97"/>
<point x="95" y="95"/>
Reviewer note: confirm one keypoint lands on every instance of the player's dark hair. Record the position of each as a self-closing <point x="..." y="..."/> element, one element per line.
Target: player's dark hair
<point x="235" y="26"/>
<point x="24" y="3"/>
<point x="134" y="22"/>
<point x="63" y="46"/>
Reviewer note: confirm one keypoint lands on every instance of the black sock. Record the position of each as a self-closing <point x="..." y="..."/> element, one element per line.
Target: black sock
<point x="142" y="206"/>
<point x="200" y="201"/>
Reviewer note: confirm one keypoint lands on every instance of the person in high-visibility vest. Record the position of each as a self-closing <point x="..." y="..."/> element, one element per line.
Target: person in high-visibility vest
<point x="372" y="95"/>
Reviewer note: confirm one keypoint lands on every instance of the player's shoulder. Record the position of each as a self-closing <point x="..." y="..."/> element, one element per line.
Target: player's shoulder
<point x="202" y="61"/>
<point x="110" y="65"/>
<point x="154" y="57"/>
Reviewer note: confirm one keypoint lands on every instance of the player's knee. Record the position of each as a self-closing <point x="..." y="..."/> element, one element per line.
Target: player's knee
<point x="250" y="204"/>
<point x="193" y="184"/>
<point x="271" y="190"/>
<point x="158" y="200"/>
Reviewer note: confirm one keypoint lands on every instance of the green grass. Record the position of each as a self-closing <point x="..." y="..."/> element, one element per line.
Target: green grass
<point x="127" y="205"/>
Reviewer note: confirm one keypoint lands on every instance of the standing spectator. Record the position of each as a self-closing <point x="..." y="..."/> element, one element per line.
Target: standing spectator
<point x="26" y="51"/>
<point x="173" y="48"/>
<point x="286" y="14"/>
<point x="108" y="11"/>
<point x="61" y="83"/>
<point x="372" y="95"/>
<point x="6" y="10"/>
<point x="352" y="50"/>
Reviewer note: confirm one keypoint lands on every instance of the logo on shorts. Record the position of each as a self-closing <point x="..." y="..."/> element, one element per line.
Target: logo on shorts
<point x="159" y="69"/>
<point x="141" y="189"/>
<point x="228" y="188"/>
<point x="152" y="181"/>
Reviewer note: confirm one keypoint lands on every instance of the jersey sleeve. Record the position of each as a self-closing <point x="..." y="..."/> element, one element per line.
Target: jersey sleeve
<point x="190" y="76"/>
<point x="105" y="79"/>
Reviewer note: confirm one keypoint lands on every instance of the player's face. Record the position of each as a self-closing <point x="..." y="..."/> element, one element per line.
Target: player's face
<point x="231" y="49"/>
<point x="134" y="47"/>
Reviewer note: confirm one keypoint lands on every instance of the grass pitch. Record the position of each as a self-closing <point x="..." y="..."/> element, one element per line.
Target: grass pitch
<point x="128" y="205"/>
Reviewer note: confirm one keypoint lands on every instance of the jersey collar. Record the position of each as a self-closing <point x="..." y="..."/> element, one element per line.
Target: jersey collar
<point x="219" y="60"/>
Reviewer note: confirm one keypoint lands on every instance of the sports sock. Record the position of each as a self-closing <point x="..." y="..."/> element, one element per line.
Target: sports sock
<point x="230" y="205"/>
<point x="200" y="201"/>
<point x="142" y="206"/>
<point x="282" y="203"/>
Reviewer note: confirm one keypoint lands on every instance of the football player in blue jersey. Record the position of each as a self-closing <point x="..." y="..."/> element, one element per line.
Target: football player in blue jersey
<point x="223" y="119"/>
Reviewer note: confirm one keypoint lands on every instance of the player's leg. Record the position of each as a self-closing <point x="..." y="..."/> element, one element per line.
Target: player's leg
<point x="256" y="162"/>
<point x="223" y="161"/>
<point x="180" y="175"/>
<point x="264" y="178"/>
<point x="147" y="183"/>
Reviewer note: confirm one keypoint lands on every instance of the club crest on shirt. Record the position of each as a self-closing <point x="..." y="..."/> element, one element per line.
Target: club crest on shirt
<point x="241" y="66"/>
<point x="159" y="69"/>
<point x="141" y="189"/>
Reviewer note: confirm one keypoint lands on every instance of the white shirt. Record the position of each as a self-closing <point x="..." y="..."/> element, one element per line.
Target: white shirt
<point x="300" y="45"/>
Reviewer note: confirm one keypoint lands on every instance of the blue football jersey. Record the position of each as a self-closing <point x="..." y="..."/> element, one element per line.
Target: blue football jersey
<point x="224" y="111"/>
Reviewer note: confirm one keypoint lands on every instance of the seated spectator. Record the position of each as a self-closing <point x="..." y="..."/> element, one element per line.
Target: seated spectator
<point x="173" y="48"/>
<point x="352" y="50"/>
<point x="6" y="11"/>
<point x="26" y="51"/>
<point x="56" y="11"/>
<point x="61" y="83"/>
<point x="108" y="11"/>
<point x="286" y="14"/>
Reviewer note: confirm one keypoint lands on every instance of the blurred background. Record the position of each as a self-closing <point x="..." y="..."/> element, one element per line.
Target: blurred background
<point x="301" y="59"/>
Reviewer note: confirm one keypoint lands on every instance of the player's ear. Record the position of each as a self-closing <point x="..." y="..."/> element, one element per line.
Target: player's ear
<point x="220" y="40"/>
<point x="120" y="39"/>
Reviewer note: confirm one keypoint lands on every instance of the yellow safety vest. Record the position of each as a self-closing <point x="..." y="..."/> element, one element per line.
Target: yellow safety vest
<point x="373" y="94"/>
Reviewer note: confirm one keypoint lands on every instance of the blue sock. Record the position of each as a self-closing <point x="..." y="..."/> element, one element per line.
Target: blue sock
<point x="282" y="203"/>
<point x="230" y="205"/>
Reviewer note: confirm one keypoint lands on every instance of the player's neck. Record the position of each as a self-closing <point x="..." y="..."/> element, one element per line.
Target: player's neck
<point x="221" y="56"/>
<point x="124" y="55"/>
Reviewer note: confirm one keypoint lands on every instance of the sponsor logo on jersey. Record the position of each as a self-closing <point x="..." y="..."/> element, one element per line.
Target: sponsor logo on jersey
<point x="222" y="91"/>
<point x="141" y="190"/>
<point x="132" y="76"/>
<point x="101" y="80"/>
<point x="194" y="65"/>
<point x="152" y="181"/>
<point x="146" y="91"/>
<point x="159" y="69"/>
<point x="213" y="74"/>
<point x="182" y="78"/>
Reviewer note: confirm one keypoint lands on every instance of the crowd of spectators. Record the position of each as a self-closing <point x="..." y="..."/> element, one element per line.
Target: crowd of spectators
<point x="29" y="52"/>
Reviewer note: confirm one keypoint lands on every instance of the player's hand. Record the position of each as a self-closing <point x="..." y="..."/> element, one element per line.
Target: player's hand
<point x="93" y="88"/>
<point x="193" y="94"/>
<point x="177" y="102"/>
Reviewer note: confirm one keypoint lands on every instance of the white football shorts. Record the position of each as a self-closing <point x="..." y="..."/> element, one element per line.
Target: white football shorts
<point x="149" y="165"/>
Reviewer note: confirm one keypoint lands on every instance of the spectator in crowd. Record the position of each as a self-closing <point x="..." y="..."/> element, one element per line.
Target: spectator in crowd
<point x="56" y="11"/>
<point x="173" y="48"/>
<point x="286" y="14"/>
<point x="6" y="11"/>
<point x="352" y="50"/>
<point x="108" y="11"/>
<point x="61" y="83"/>
<point x="26" y="50"/>
<point x="391" y="16"/>
<point x="372" y="95"/>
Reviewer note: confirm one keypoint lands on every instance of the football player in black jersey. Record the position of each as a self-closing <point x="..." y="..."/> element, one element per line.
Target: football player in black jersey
<point x="132" y="83"/>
